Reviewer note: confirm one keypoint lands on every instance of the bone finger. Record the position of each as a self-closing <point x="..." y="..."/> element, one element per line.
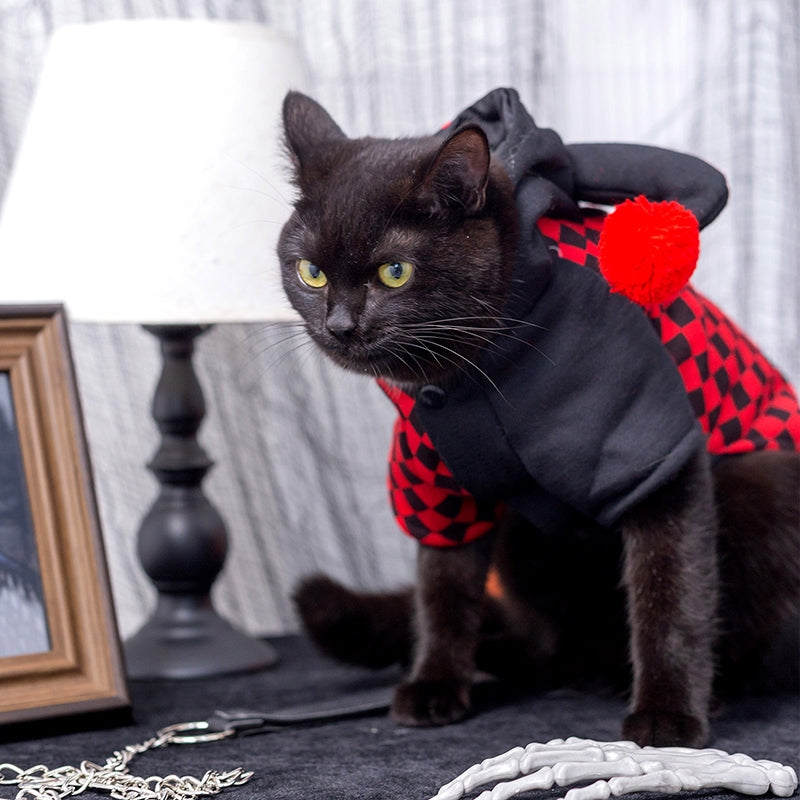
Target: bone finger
<point x="505" y="765"/>
<point x="740" y="778"/>
<point x="574" y="741"/>
<point x="533" y="759"/>
<point x="498" y="771"/>
<point x="782" y="779"/>
<point x="599" y="790"/>
<point x="454" y="789"/>
<point x="567" y="773"/>
<point x="542" y="779"/>
<point x="664" y="781"/>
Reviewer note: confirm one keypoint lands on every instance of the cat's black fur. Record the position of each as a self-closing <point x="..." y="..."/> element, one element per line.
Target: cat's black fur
<point x="687" y="586"/>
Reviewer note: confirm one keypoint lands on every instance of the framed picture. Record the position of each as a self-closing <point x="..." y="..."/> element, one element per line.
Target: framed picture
<point x="59" y="648"/>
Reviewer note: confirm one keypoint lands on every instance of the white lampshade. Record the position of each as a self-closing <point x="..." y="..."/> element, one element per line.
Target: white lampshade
<point x="150" y="186"/>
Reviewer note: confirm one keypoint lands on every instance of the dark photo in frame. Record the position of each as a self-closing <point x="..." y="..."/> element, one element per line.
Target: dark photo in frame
<point x="23" y="619"/>
<point x="60" y="653"/>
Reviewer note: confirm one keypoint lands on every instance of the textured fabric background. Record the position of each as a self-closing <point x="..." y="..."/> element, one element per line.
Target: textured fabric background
<point x="300" y="447"/>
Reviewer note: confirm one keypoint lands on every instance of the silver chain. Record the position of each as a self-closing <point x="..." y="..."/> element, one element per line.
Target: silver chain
<point x="42" y="783"/>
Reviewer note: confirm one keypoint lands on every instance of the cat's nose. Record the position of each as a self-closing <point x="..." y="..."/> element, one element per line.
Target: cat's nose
<point x="341" y="322"/>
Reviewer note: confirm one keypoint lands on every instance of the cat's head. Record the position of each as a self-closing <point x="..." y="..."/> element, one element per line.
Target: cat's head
<point x="399" y="253"/>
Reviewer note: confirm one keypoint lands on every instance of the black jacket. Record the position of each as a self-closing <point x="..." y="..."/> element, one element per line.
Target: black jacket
<point x="584" y="412"/>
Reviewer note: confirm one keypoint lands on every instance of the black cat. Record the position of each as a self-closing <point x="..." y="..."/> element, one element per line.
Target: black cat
<point x="546" y="442"/>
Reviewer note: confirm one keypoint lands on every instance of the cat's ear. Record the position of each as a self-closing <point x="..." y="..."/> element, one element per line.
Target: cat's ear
<point x="459" y="173"/>
<point x="306" y="125"/>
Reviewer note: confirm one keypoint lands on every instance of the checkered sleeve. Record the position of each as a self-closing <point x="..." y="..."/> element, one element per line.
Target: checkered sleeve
<point x="742" y="402"/>
<point x="428" y="503"/>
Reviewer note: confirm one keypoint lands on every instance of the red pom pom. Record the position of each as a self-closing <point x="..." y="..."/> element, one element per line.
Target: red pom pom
<point x="648" y="251"/>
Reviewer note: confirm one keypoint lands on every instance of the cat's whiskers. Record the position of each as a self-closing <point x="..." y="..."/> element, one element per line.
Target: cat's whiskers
<point x="419" y="343"/>
<point x="433" y="348"/>
<point x="500" y="333"/>
<point x="511" y="322"/>
<point x="419" y="370"/>
<point x="304" y="348"/>
<point x="472" y="364"/>
<point x="439" y="358"/>
<point x="432" y="334"/>
<point x="470" y="336"/>
<point x="289" y="328"/>
<point x="296" y="334"/>
<point x="486" y="333"/>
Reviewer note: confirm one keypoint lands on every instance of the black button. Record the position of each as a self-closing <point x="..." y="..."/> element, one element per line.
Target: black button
<point x="433" y="397"/>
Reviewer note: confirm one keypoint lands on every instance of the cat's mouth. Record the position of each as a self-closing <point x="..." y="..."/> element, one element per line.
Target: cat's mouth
<point x="370" y="358"/>
<point x="398" y="359"/>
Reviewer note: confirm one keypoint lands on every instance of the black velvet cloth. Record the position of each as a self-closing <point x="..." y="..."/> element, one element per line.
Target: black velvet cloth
<point x="373" y="758"/>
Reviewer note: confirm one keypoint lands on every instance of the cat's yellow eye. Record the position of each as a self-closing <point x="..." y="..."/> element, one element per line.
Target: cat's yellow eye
<point x="395" y="274"/>
<point x="311" y="274"/>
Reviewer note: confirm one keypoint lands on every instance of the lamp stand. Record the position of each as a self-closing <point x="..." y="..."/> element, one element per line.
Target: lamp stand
<point x="182" y="540"/>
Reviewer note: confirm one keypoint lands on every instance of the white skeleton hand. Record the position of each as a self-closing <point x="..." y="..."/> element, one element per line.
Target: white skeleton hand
<point x="618" y="768"/>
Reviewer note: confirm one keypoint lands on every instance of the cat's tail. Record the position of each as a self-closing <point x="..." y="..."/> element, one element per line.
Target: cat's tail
<point x="376" y="629"/>
<point x="370" y="629"/>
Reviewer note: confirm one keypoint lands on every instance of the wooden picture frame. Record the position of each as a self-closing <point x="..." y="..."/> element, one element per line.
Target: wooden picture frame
<point x="49" y="519"/>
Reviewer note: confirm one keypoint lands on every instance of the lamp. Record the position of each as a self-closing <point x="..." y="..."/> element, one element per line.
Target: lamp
<point x="127" y="204"/>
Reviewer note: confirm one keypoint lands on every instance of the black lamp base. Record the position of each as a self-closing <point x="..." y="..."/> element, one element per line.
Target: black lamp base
<point x="182" y="539"/>
<point x="186" y="639"/>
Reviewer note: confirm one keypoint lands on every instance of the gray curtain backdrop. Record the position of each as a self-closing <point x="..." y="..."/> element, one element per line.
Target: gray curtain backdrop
<point x="300" y="447"/>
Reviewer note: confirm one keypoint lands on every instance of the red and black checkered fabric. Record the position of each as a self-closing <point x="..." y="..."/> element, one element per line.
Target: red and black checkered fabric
<point x="427" y="500"/>
<point x="741" y="401"/>
<point x="575" y="241"/>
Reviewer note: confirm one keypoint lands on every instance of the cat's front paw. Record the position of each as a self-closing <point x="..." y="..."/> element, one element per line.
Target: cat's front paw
<point x="426" y="703"/>
<point x="665" y="729"/>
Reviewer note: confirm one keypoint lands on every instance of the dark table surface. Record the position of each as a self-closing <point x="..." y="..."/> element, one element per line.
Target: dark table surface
<point x="371" y="757"/>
